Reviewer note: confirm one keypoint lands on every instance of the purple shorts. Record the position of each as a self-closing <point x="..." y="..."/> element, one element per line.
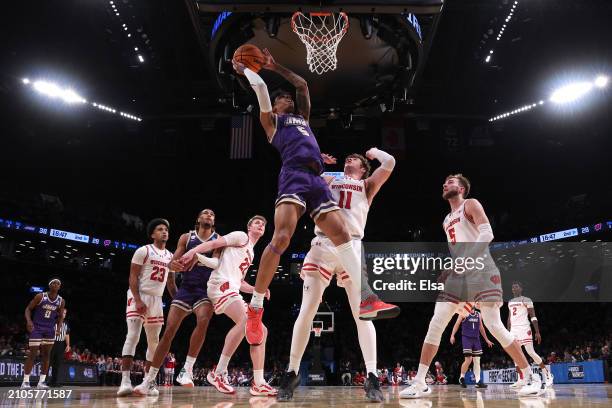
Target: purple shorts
<point x="42" y="336"/>
<point x="471" y="346"/>
<point x="304" y="187"/>
<point x="189" y="298"/>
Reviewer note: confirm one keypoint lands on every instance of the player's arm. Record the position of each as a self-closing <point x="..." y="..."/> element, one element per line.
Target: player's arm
<point x="381" y="174"/>
<point x="483" y="332"/>
<point x="133" y="282"/>
<point x="175" y="265"/>
<point x="302" y="95"/>
<point x="245" y="287"/>
<point x="60" y="320"/>
<point x="534" y="322"/>
<point x="236" y="238"/>
<point x="455" y="328"/>
<point x="509" y="321"/>
<point x="476" y="213"/>
<point x="28" y="311"/>
<point x="266" y="116"/>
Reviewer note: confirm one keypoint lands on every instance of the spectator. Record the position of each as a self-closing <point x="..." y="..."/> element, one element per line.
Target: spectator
<point x="552" y="358"/>
<point x="346" y="372"/>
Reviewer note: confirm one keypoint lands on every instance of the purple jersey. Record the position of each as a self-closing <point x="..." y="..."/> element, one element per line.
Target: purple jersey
<point x="198" y="276"/>
<point x="470" y="327"/>
<point x="46" y="312"/>
<point x="296" y="143"/>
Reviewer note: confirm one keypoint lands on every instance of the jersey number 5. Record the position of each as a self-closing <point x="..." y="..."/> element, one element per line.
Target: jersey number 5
<point x="158" y="274"/>
<point x="345" y="203"/>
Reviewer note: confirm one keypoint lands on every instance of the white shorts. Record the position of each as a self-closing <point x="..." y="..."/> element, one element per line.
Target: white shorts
<point x="471" y="288"/>
<point x="322" y="261"/>
<point x="223" y="294"/>
<point x="169" y="371"/>
<point x="522" y="334"/>
<point x="154" y="315"/>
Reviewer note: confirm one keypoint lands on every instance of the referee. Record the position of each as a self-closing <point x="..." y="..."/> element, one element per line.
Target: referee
<point x="60" y="347"/>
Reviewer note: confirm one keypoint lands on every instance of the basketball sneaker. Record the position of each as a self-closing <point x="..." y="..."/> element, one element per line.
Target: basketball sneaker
<point x="480" y="384"/>
<point x="254" y="327"/>
<point x="185" y="378"/>
<point x="219" y="381"/>
<point x="532" y="388"/>
<point x="415" y="390"/>
<point x="147" y="388"/>
<point x="125" y="389"/>
<point x="462" y="382"/>
<point x="372" y="388"/>
<point x="518" y="384"/>
<point x="288" y="383"/>
<point x="550" y="379"/>
<point x="25" y="385"/>
<point x="373" y="308"/>
<point x="42" y="385"/>
<point x="262" y="390"/>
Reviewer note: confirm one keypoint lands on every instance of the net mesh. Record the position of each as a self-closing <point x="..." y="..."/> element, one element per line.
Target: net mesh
<point x="321" y="33"/>
<point x="317" y="331"/>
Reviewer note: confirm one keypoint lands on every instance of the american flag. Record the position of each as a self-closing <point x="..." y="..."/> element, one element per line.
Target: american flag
<point x="242" y="135"/>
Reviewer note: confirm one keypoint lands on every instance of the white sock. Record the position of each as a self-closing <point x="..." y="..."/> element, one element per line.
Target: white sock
<point x="421" y="374"/>
<point x="26" y="378"/>
<point x="42" y="378"/>
<point x="222" y="365"/>
<point x="152" y="374"/>
<point x="189" y="361"/>
<point x="125" y="377"/>
<point x="257" y="299"/>
<point x="258" y="377"/>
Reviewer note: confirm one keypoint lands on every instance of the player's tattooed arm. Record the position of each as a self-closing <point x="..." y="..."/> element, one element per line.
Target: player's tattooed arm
<point x="301" y="86"/>
<point x="28" y="311"/>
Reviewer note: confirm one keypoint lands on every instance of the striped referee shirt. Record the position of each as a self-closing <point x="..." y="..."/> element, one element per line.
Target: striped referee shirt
<point x="63" y="332"/>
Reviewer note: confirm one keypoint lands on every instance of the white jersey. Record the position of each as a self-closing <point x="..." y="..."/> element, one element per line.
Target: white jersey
<point x="155" y="267"/>
<point x="234" y="262"/>
<point x="519" y="315"/>
<point x="350" y="194"/>
<point x="459" y="228"/>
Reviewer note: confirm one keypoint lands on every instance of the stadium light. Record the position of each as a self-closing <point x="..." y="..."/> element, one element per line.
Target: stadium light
<point x="25" y="81"/>
<point x="54" y="91"/>
<point x="601" y="81"/>
<point x="571" y="92"/>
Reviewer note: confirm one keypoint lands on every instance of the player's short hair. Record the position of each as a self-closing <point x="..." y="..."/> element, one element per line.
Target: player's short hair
<point x="197" y="224"/>
<point x="257" y="217"/>
<point x="518" y="283"/>
<point x="279" y="92"/>
<point x="463" y="181"/>
<point x="154" y="223"/>
<point x="365" y="163"/>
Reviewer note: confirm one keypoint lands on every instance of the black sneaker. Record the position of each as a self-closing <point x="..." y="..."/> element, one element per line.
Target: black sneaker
<point x="462" y="382"/>
<point x="372" y="388"/>
<point x="288" y="383"/>
<point x="480" y="384"/>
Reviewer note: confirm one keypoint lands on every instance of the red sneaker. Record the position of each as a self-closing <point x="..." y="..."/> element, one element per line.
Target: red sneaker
<point x="254" y="327"/>
<point x="373" y="308"/>
<point x="263" y="390"/>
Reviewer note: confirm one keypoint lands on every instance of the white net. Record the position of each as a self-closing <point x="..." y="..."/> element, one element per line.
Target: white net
<point x="317" y="331"/>
<point x="321" y="33"/>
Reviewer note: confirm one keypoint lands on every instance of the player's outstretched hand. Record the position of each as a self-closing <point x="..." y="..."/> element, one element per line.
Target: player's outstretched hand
<point x="370" y="153"/>
<point x="328" y="158"/>
<point x="489" y="343"/>
<point x="538" y="337"/>
<point x="452" y="339"/>
<point x="269" y="62"/>
<point x="238" y="67"/>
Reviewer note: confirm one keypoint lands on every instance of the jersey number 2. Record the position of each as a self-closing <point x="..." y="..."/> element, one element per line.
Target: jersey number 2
<point x="345" y="203"/>
<point x="514" y="311"/>
<point x="158" y="274"/>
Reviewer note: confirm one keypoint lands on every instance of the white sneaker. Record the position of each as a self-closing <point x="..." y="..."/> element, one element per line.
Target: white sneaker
<point x="263" y="390"/>
<point x="25" y="385"/>
<point x="416" y="390"/>
<point x="533" y="388"/>
<point x="220" y="382"/>
<point x="518" y="384"/>
<point x="185" y="378"/>
<point x="42" y="385"/>
<point x="147" y="388"/>
<point x="550" y="379"/>
<point x="125" y="389"/>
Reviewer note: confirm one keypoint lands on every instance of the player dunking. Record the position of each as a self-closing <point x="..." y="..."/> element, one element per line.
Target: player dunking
<point x="300" y="187"/>
<point x="148" y="275"/>
<point x="467" y="226"/>
<point x="48" y="308"/>
<point x="521" y="311"/>
<point x="471" y="329"/>
<point x="226" y="280"/>
<point x="191" y="297"/>
<point x="354" y="193"/>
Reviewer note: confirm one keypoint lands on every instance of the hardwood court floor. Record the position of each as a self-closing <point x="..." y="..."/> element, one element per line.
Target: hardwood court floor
<point x="596" y="395"/>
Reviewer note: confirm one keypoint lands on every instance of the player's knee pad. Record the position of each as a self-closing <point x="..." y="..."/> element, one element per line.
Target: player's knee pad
<point x="443" y="313"/>
<point x="492" y="320"/>
<point x="131" y="339"/>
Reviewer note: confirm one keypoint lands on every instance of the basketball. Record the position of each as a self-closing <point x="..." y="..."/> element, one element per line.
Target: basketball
<point x="251" y="56"/>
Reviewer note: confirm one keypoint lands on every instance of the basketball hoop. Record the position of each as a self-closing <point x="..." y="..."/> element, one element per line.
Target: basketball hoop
<point x="317" y="331"/>
<point x="321" y="33"/>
